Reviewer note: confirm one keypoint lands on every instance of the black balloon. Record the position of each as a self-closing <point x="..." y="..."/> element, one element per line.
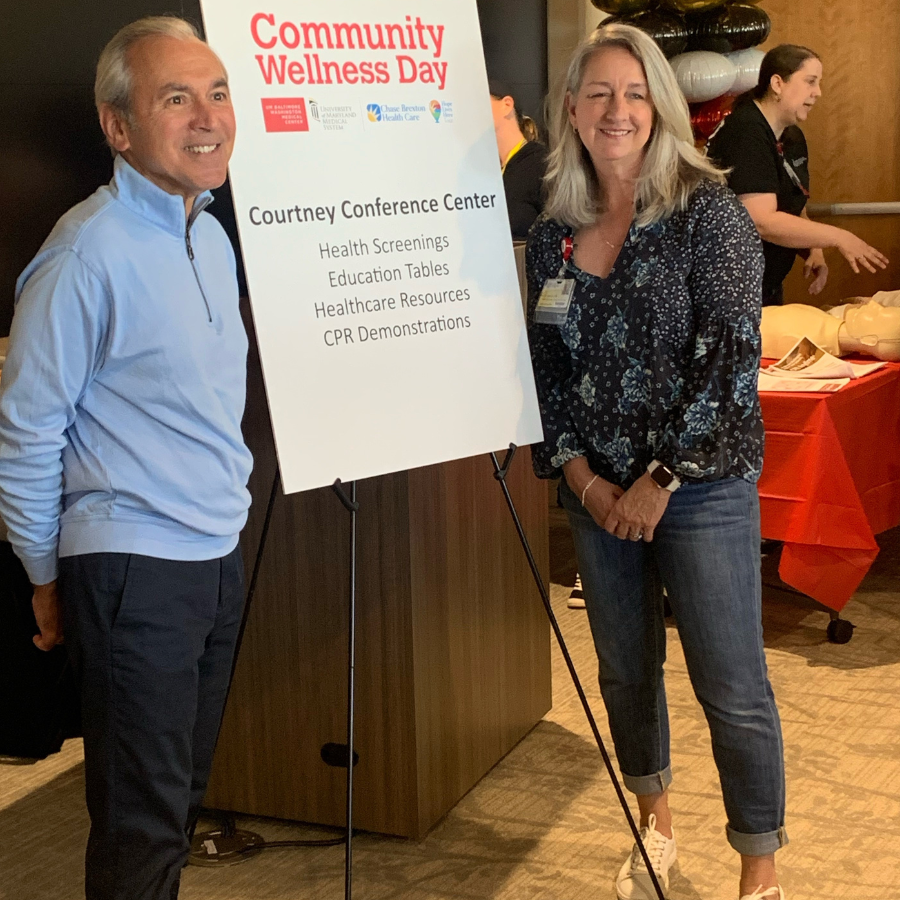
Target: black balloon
<point x="737" y="26"/>
<point x="666" y="28"/>
<point x="687" y="6"/>
<point x="621" y="7"/>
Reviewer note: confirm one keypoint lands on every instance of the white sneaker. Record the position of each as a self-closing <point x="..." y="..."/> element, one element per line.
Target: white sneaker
<point x="576" y="598"/>
<point x="772" y="893"/>
<point x="634" y="881"/>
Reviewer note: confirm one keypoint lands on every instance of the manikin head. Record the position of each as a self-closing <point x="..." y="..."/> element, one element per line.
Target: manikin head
<point x="872" y="329"/>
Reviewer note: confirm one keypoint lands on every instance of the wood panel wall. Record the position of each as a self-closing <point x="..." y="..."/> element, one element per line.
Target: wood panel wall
<point x="453" y="653"/>
<point x="568" y="22"/>
<point x="480" y="637"/>
<point x="854" y="130"/>
<point x="565" y="28"/>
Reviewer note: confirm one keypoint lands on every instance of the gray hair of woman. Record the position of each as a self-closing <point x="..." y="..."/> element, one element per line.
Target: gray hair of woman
<point x="672" y="166"/>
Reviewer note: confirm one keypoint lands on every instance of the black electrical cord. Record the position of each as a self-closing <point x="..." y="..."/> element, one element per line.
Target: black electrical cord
<point x="270" y="845"/>
<point x="228" y="826"/>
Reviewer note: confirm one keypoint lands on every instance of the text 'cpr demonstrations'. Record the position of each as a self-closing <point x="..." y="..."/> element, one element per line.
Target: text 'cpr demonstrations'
<point x="342" y="337"/>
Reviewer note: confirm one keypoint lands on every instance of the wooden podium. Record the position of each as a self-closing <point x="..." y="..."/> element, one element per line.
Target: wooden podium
<point x="453" y="649"/>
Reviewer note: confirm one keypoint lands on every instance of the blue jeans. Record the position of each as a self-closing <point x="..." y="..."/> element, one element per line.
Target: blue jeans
<point x="705" y="552"/>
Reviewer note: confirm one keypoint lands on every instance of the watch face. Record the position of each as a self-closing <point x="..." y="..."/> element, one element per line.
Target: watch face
<point x="662" y="476"/>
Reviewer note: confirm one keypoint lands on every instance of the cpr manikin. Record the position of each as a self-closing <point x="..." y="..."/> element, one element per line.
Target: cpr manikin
<point x="869" y="327"/>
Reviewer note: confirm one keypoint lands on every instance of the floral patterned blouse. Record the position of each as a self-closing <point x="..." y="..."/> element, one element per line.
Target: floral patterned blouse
<point x="660" y="359"/>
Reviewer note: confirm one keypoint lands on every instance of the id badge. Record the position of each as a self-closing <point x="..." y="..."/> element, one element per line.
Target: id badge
<point x="554" y="302"/>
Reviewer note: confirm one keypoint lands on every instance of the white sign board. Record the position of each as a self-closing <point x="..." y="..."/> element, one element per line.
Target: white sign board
<point x="374" y="232"/>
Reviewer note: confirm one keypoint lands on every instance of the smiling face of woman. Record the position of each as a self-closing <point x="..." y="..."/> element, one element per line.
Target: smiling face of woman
<point x="799" y="92"/>
<point x="612" y="111"/>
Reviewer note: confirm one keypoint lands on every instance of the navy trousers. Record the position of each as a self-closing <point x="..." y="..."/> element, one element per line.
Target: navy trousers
<point x="152" y="642"/>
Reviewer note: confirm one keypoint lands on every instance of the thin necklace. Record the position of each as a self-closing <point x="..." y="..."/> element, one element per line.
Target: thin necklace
<point x="610" y="244"/>
<point x="605" y="241"/>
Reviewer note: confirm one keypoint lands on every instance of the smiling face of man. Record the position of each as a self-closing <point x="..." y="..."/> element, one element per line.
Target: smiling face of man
<point x="180" y="130"/>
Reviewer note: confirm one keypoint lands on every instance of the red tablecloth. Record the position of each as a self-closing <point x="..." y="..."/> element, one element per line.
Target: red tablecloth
<point x="831" y="481"/>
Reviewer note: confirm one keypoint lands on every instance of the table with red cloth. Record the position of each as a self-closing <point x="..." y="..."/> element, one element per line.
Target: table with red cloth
<point x="831" y="481"/>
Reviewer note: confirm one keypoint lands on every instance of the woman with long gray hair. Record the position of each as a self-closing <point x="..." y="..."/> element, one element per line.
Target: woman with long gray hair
<point x="644" y="282"/>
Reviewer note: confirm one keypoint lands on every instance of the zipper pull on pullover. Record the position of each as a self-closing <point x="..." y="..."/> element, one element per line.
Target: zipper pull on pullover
<point x="199" y="206"/>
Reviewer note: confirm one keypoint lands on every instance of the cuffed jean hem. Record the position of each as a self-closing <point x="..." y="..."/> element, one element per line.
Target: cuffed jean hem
<point x="649" y="784"/>
<point x="756" y="844"/>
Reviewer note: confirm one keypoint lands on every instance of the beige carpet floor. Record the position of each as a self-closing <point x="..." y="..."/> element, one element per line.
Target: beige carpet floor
<point x="545" y="822"/>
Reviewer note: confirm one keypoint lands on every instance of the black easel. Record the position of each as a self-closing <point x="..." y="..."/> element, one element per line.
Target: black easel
<point x="352" y="507"/>
<point x="500" y="473"/>
<point x="228" y="842"/>
<point x="254" y="577"/>
<point x="338" y="755"/>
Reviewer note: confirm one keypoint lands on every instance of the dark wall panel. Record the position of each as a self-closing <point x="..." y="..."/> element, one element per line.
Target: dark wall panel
<point x="514" y="34"/>
<point x="51" y="156"/>
<point x="51" y="148"/>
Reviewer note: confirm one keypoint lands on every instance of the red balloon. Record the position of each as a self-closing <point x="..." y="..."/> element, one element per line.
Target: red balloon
<point x="705" y="117"/>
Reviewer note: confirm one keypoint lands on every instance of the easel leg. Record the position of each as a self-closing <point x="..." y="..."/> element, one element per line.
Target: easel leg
<point x="500" y="473"/>
<point x="257" y="565"/>
<point x="229" y="844"/>
<point x="352" y="507"/>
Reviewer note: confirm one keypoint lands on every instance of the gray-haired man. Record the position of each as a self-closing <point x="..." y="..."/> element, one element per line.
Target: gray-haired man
<point x="123" y="470"/>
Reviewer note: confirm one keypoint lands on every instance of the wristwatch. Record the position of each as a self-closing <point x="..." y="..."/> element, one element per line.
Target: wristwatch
<point x="663" y="476"/>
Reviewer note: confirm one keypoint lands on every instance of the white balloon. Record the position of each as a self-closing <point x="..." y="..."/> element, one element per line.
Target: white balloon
<point x="747" y="63"/>
<point x="702" y="75"/>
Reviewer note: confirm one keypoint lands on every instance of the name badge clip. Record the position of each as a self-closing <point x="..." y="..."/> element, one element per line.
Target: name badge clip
<point x="556" y="295"/>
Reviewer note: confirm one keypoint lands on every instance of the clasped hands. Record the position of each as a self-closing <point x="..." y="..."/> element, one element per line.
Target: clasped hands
<point x="628" y="515"/>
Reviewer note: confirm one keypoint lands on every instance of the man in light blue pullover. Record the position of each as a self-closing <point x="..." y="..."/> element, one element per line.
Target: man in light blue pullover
<point x="123" y="471"/>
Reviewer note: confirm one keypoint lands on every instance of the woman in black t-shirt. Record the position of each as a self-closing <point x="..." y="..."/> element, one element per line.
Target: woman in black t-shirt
<point x="766" y="152"/>
<point x="523" y="160"/>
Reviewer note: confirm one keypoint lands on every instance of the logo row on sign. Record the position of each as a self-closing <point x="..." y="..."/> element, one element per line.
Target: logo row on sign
<point x="295" y="113"/>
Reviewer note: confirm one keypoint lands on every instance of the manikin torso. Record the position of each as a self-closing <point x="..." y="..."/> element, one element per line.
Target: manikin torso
<point x="870" y="328"/>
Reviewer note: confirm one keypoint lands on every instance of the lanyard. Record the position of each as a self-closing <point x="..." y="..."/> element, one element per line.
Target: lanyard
<point x="795" y="178"/>
<point x="512" y="153"/>
<point x="556" y="296"/>
<point x="568" y="245"/>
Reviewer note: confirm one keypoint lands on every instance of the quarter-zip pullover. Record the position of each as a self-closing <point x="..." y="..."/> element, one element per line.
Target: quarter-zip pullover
<point x="122" y="395"/>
